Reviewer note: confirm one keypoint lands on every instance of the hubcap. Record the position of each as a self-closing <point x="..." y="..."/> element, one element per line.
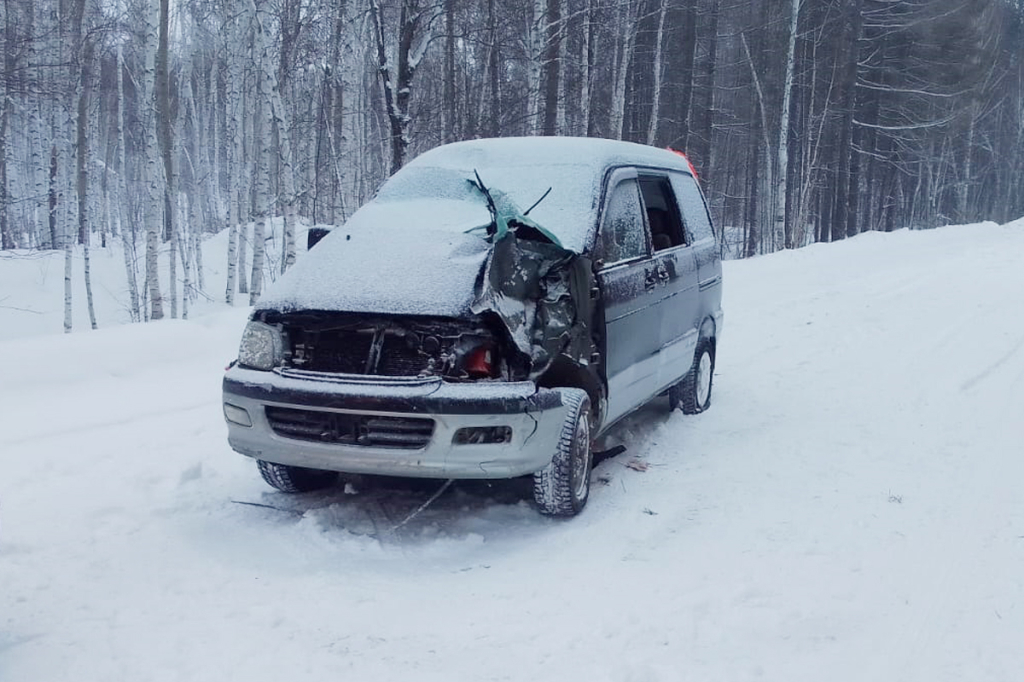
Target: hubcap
<point x="704" y="379"/>
<point x="581" y="459"/>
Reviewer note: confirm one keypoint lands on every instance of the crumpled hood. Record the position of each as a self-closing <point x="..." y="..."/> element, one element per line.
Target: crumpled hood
<point x="389" y="258"/>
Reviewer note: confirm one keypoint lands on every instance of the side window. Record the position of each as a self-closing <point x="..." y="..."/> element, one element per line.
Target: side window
<point x="662" y="214"/>
<point x="691" y="203"/>
<point x="622" y="232"/>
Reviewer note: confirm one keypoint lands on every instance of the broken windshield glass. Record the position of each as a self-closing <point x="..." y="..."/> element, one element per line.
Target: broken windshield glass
<point x="568" y="212"/>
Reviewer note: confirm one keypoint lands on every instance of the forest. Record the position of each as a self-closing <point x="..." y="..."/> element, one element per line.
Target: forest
<point x="152" y="124"/>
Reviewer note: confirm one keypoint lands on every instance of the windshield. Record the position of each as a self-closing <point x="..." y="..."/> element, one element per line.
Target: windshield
<point x="568" y="211"/>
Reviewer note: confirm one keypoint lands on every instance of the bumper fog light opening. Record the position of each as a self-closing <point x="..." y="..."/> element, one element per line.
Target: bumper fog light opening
<point x="483" y="435"/>
<point x="237" y="415"/>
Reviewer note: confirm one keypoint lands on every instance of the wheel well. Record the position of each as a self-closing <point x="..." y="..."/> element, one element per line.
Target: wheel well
<point x="564" y="373"/>
<point x="707" y="333"/>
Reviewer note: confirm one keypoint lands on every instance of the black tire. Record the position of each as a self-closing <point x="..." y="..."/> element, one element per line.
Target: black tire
<point x="563" y="486"/>
<point x="693" y="393"/>
<point x="289" y="479"/>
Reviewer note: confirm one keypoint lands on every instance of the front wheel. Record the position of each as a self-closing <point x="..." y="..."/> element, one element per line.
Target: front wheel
<point x="693" y="393"/>
<point x="563" y="486"/>
<point x="289" y="479"/>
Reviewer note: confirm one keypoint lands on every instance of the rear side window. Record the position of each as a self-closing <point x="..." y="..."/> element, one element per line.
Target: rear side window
<point x="691" y="203"/>
<point x="662" y="214"/>
<point x="622" y="233"/>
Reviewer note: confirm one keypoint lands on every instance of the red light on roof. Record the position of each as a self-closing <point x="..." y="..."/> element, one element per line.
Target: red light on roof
<point x="688" y="162"/>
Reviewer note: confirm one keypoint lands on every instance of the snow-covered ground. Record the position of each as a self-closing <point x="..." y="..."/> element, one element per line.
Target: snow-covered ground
<point x="849" y="509"/>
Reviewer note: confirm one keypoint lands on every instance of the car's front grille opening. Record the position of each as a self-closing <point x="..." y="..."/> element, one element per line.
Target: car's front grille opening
<point x="349" y="343"/>
<point x="350" y="429"/>
<point x="399" y="359"/>
<point x="337" y="351"/>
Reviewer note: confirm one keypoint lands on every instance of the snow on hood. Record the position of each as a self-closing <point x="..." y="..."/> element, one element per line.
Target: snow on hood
<point x="403" y="258"/>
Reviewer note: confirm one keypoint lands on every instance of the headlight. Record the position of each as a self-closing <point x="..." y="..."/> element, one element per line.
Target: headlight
<point x="262" y="346"/>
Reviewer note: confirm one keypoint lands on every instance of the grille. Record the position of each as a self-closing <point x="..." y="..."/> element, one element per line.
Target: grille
<point x="344" y="352"/>
<point x="397" y="359"/>
<point x="341" y="343"/>
<point x="350" y="429"/>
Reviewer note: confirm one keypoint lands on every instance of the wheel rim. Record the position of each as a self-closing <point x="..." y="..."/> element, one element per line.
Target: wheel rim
<point x="704" y="379"/>
<point x="581" y="459"/>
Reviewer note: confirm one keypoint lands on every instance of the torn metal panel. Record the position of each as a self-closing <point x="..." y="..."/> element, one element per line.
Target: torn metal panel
<point x="539" y="290"/>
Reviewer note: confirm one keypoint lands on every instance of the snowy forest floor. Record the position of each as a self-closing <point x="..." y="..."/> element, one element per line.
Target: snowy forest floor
<point x="849" y="509"/>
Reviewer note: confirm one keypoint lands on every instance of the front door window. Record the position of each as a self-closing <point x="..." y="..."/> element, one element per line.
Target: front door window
<point x="622" y="236"/>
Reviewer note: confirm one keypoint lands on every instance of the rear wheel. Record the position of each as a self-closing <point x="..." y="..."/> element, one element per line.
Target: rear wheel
<point x="563" y="486"/>
<point x="289" y="479"/>
<point x="693" y="393"/>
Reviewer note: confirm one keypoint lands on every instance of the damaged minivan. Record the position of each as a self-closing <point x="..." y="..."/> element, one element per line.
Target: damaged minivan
<point x="495" y="308"/>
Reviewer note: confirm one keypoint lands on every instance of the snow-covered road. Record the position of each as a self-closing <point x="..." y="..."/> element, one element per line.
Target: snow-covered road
<point x="851" y="508"/>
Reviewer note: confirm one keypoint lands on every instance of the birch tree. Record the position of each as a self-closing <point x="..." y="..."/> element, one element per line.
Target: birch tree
<point x="627" y="19"/>
<point x="271" y="96"/>
<point x="782" y="225"/>
<point x="83" y="156"/>
<point x="652" y="127"/>
<point x="154" y="172"/>
<point x="125" y="226"/>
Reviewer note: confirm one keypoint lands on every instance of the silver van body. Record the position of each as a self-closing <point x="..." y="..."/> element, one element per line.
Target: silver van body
<point x="444" y="332"/>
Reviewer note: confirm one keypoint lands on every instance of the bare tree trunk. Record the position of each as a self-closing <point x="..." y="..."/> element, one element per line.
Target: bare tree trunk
<point x="963" y="190"/>
<point x="216" y="198"/>
<point x="127" y="237"/>
<point x="652" y="128"/>
<point x="197" y="247"/>
<point x="782" y="225"/>
<point x="37" y="149"/>
<point x="412" y="45"/>
<point x="155" y="204"/>
<point x="535" y="43"/>
<point x="236" y="155"/>
<point x="493" y="125"/>
<point x="627" y="20"/>
<point x="164" y="124"/>
<point x="262" y="190"/>
<point x="7" y="240"/>
<point x="450" y="107"/>
<point x="246" y="213"/>
<point x="52" y="190"/>
<point x="181" y="240"/>
<point x="84" y="152"/>
<point x="587" y="78"/>
<point x="551" y="65"/>
<point x="278" y="123"/>
<point x="562" y="113"/>
<point x="765" y="178"/>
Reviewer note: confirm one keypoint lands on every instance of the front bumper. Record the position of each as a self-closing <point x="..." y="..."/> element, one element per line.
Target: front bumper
<point x="534" y="415"/>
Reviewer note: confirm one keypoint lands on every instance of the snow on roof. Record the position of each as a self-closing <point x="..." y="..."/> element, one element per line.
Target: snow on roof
<point x="595" y="153"/>
<point x="525" y="168"/>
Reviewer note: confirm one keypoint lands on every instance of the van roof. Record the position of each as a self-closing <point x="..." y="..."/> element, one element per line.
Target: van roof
<point x="564" y="174"/>
<point x="596" y="153"/>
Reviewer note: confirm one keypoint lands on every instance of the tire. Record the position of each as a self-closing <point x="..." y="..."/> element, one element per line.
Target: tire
<point x="289" y="479"/>
<point x="693" y="393"/>
<point x="563" y="486"/>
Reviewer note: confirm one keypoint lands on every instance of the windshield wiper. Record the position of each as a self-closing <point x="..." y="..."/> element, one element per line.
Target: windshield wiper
<point x="479" y="184"/>
<point x="537" y="203"/>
